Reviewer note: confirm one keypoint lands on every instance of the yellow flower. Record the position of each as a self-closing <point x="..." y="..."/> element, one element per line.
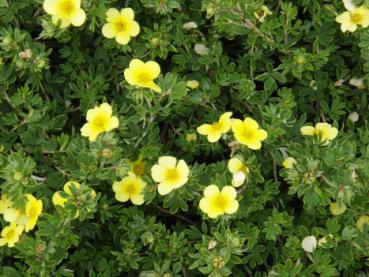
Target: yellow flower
<point x="215" y="202"/>
<point x="169" y="174"/>
<point x="130" y="188"/>
<point x="324" y="130"/>
<point x="33" y="210"/>
<point x="262" y="13"/>
<point x="67" y="11"/>
<point x="121" y="25"/>
<point x="10" y="235"/>
<point x="99" y="120"/>
<point x="60" y="200"/>
<point x="239" y="171"/>
<point x="214" y="131"/>
<point x="362" y="221"/>
<point x="288" y="162"/>
<point x="10" y="214"/>
<point x="138" y="167"/>
<point x="142" y="74"/>
<point x="350" y="19"/>
<point x="192" y="84"/>
<point x="336" y="209"/>
<point x="248" y="133"/>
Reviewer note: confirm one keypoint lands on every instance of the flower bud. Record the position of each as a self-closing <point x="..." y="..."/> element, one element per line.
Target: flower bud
<point x="309" y="244"/>
<point x="353" y="117"/>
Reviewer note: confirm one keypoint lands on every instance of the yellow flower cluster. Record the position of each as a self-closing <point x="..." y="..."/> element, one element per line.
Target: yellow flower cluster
<point x="353" y="17"/>
<point x="119" y="25"/>
<point x="324" y="131"/>
<point x="246" y="132"/>
<point x="60" y="199"/>
<point x="132" y="186"/>
<point x="20" y="220"/>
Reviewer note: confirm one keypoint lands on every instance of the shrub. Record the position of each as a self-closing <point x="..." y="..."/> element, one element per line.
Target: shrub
<point x="184" y="138"/>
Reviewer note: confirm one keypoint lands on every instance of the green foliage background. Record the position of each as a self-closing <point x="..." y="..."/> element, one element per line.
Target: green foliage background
<point x="282" y="72"/>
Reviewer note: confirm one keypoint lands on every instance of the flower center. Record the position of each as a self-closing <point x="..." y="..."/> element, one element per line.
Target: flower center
<point x="67" y="7"/>
<point x="172" y="175"/>
<point x="10" y="234"/>
<point x="99" y="122"/>
<point x="138" y="169"/>
<point x="220" y="202"/>
<point x="120" y="26"/>
<point x="217" y="127"/>
<point x="248" y="134"/>
<point x="131" y="189"/>
<point x="32" y="212"/>
<point x="356" y="17"/>
<point x="144" y="78"/>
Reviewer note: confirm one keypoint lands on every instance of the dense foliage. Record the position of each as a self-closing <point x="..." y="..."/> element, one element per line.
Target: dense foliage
<point x="107" y="168"/>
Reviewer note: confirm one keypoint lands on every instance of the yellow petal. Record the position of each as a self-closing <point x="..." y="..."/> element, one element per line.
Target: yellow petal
<point x="122" y="38"/>
<point x="164" y="188"/>
<point x="136" y="63"/>
<point x="214" y="136"/>
<point x="288" y="162"/>
<point x="127" y="13"/>
<point x="154" y="87"/>
<point x="229" y="192"/>
<point x="64" y="22"/>
<point x="332" y="133"/>
<point x="153" y="68"/>
<point x="254" y="144"/>
<point x="112" y="15"/>
<point x="67" y="186"/>
<point x="211" y="190"/>
<point x="122" y="197"/>
<point x="50" y="6"/>
<point x="349" y="26"/>
<point x="106" y="109"/>
<point x="79" y="18"/>
<point x="204" y="129"/>
<point x="167" y="161"/>
<point x="133" y="28"/>
<point x="108" y="30"/>
<point x="130" y="76"/>
<point x="158" y="173"/>
<point x="250" y="123"/>
<point x="183" y="168"/>
<point x="343" y="17"/>
<point x="11" y="214"/>
<point x="204" y="205"/>
<point x="113" y="123"/>
<point x="58" y="199"/>
<point x="237" y="126"/>
<point x="232" y="207"/>
<point x="226" y="121"/>
<point x="261" y="134"/>
<point x="238" y="179"/>
<point x="307" y="131"/>
<point x="137" y="199"/>
<point x="235" y="165"/>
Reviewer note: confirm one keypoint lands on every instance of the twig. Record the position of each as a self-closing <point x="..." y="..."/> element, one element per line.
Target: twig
<point x="176" y="215"/>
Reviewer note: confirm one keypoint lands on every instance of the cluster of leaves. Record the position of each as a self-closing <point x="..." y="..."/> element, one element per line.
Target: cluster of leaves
<point x="289" y="70"/>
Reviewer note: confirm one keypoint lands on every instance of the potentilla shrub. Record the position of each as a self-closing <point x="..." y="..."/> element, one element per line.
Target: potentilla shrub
<point x="184" y="138"/>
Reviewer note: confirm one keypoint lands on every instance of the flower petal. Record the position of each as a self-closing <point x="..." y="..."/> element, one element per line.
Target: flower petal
<point x="167" y="161"/>
<point x="127" y="13"/>
<point x="164" y="189"/>
<point x="113" y="123"/>
<point x="106" y="109"/>
<point x="112" y="15"/>
<point x="158" y="173"/>
<point x="133" y="28"/>
<point x="232" y="207"/>
<point x="122" y="38"/>
<point x="235" y="165"/>
<point x="153" y="69"/>
<point x="79" y="18"/>
<point x="183" y="168"/>
<point x="229" y="192"/>
<point x="108" y="30"/>
<point x="214" y="136"/>
<point x="204" y="129"/>
<point x="50" y="6"/>
<point x="121" y="196"/>
<point x="307" y="131"/>
<point x="137" y="199"/>
<point x="211" y="190"/>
